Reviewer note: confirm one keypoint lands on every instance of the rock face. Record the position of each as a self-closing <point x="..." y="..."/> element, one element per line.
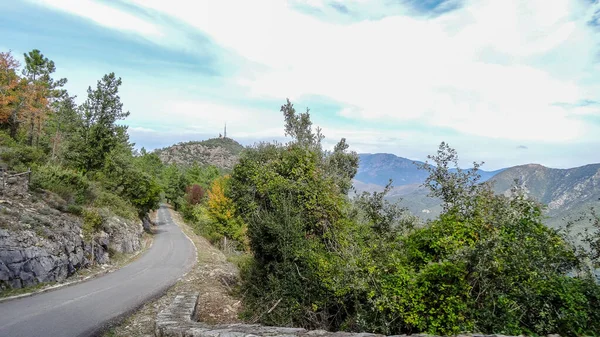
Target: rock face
<point x="39" y="243"/>
<point x="220" y="152"/>
<point x="26" y="259"/>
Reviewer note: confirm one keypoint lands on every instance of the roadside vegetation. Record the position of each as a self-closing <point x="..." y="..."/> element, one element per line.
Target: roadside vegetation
<point x="80" y="152"/>
<point x="319" y="259"/>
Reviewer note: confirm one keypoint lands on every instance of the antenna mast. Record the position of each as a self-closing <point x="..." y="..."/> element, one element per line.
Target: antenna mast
<point x="225" y="131"/>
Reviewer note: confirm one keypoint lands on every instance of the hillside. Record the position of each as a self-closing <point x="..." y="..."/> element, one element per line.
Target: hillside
<point x="220" y="152"/>
<point x="379" y="168"/>
<point x="567" y="192"/>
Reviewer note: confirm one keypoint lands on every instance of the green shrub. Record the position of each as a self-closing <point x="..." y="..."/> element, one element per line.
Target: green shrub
<point x="74" y="209"/>
<point x="71" y="185"/>
<point x="93" y="221"/>
<point x="115" y="204"/>
<point x="21" y="157"/>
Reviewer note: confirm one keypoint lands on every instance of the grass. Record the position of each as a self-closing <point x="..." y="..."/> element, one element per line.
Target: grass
<point x="20" y="291"/>
<point x="239" y="260"/>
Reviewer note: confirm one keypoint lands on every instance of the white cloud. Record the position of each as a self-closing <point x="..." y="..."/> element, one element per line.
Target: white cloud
<point x="104" y="15"/>
<point x="491" y="68"/>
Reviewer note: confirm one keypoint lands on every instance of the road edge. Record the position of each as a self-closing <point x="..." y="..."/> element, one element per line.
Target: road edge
<point x="85" y="279"/>
<point x="100" y="331"/>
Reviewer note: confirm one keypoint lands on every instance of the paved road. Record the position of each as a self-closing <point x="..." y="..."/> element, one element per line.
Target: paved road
<point x="87" y="308"/>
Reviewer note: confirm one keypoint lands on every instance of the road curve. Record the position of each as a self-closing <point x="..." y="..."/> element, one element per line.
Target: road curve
<point x="87" y="308"/>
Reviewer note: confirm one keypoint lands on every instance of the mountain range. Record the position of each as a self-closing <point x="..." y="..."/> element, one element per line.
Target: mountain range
<point x="379" y="168"/>
<point x="567" y="193"/>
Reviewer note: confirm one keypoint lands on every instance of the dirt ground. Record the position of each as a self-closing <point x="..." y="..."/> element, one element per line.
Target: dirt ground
<point x="213" y="277"/>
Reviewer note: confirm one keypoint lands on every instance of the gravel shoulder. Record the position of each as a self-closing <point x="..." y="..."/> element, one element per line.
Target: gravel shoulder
<point x="213" y="277"/>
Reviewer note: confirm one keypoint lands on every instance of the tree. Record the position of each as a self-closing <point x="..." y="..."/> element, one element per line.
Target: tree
<point x="221" y="210"/>
<point x="61" y="126"/>
<point x="292" y="197"/>
<point x="9" y="84"/>
<point x="201" y="175"/>
<point x="42" y="91"/>
<point x="194" y="194"/>
<point x="12" y="93"/>
<point x="99" y="134"/>
<point x="174" y="184"/>
<point x="455" y="189"/>
<point x="299" y="126"/>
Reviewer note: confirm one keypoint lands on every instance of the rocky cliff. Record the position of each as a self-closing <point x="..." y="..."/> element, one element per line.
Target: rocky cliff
<point x="40" y="242"/>
<point x="220" y="152"/>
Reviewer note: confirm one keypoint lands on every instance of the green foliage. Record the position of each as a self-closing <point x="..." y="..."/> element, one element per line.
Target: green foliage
<point x="19" y="157"/>
<point x="122" y="177"/>
<point x="173" y="185"/>
<point x="92" y="222"/>
<point x="115" y="204"/>
<point x="71" y="185"/>
<point x="201" y="175"/>
<point x="294" y="210"/>
<point x="78" y="152"/>
<point x="320" y="260"/>
<point x="98" y="133"/>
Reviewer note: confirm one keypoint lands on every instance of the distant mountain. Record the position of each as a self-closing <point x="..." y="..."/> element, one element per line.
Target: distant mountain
<point x="379" y="168"/>
<point x="220" y="152"/>
<point x="567" y="192"/>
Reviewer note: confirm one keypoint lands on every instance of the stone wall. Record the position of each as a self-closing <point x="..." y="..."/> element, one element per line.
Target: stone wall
<point x="176" y="321"/>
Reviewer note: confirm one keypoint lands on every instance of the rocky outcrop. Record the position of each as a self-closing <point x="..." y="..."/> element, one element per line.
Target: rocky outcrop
<point x="27" y="259"/>
<point x="39" y="243"/>
<point x="123" y="236"/>
<point x="176" y="321"/>
<point x="220" y="152"/>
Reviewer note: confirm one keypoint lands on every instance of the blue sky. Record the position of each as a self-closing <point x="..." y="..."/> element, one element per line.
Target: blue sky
<point x="507" y="82"/>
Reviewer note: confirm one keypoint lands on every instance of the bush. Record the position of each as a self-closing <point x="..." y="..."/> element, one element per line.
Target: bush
<point x="92" y="222"/>
<point x="115" y="204"/>
<point x="293" y="200"/>
<point x="194" y="194"/>
<point x="71" y="185"/>
<point x="21" y="157"/>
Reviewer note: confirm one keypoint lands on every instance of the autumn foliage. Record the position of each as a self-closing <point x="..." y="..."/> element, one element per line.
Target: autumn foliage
<point x="194" y="194"/>
<point x="9" y="86"/>
<point x="221" y="211"/>
<point x="26" y="101"/>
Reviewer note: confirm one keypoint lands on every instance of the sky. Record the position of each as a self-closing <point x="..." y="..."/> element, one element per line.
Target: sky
<point x="505" y="82"/>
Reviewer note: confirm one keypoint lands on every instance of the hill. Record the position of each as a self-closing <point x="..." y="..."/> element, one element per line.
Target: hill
<point x="220" y="152"/>
<point x="379" y="168"/>
<point x="567" y="192"/>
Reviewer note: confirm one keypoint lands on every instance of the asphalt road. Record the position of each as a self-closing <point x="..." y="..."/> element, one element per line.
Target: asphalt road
<point x="88" y="308"/>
